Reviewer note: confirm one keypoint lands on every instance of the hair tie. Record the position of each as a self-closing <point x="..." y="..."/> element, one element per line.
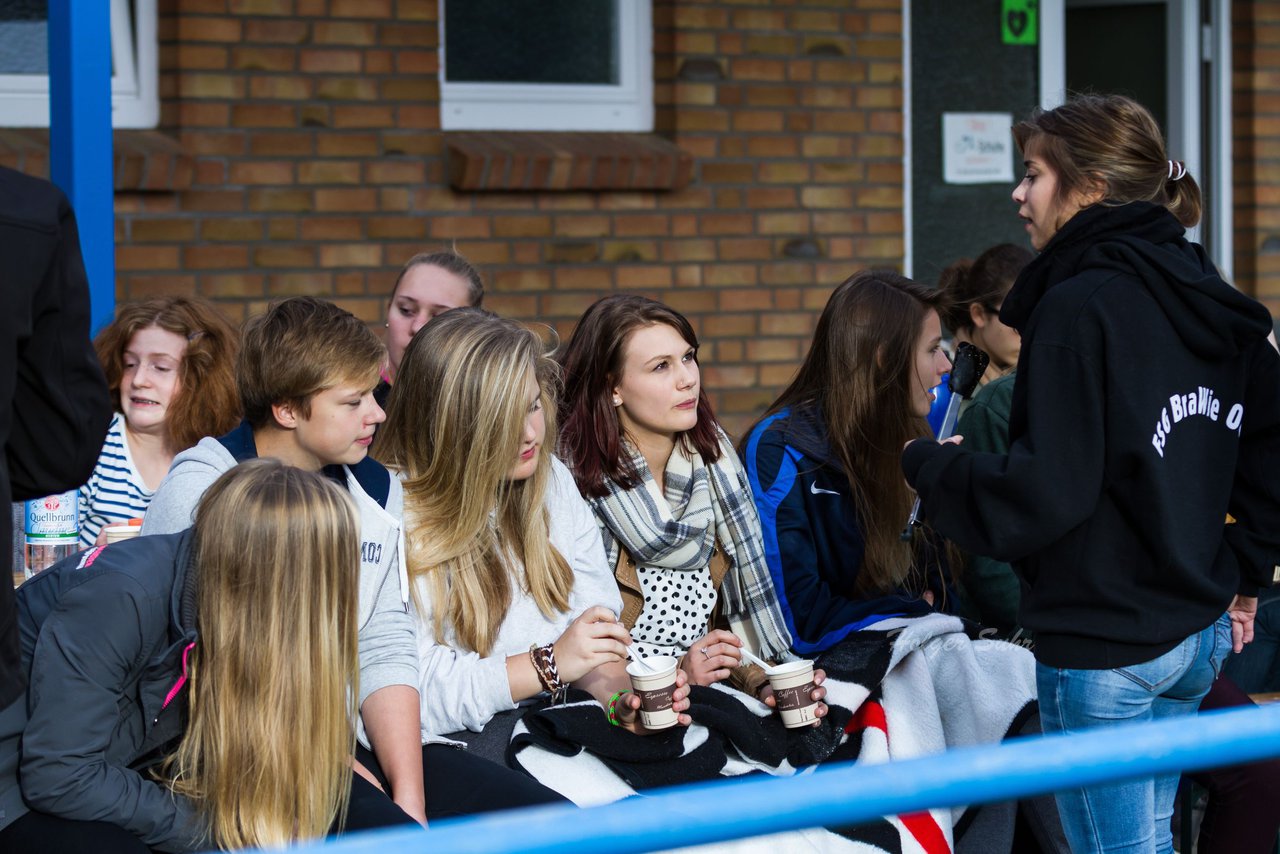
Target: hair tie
<point x="1176" y="170"/>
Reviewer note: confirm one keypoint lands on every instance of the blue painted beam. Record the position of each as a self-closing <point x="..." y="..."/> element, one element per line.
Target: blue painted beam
<point x="848" y="793"/>
<point x="80" y="146"/>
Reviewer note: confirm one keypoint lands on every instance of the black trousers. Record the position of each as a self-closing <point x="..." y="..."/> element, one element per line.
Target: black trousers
<point x="51" y="834"/>
<point x="458" y="783"/>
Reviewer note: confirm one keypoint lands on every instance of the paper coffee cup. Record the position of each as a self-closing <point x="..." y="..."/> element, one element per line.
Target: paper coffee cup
<point x="793" y="689"/>
<point x="655" y="685"/>
<point x="123" y="530"/>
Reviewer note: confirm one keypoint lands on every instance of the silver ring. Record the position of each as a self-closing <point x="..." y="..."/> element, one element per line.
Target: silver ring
<point x="705" y="653"/>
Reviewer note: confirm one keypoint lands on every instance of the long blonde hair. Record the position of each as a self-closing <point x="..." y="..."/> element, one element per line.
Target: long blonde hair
<point x="273" y="674"/>
<point x="454" y="422"/>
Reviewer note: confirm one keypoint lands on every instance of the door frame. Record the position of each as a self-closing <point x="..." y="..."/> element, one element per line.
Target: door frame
<point x="1194" y="115"/>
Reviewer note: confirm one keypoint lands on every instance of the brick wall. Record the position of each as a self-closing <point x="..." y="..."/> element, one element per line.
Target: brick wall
<point x="319" y="169"/>
<point x="1256" y="106"/>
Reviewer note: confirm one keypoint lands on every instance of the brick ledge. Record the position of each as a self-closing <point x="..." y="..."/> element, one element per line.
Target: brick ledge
<point x="512" y="160"/>
<point x="144" y="160"/>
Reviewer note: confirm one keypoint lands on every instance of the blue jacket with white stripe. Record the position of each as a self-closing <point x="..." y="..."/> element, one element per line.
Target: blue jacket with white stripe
<point x="812" y="537"/>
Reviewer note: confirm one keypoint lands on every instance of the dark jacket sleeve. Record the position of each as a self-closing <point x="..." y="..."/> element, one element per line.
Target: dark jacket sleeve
<point x="991" y="585"/>
<point x="1008" y="506"/>
<point x="814" y="560"/>
<point x="1254" y="538"/>
<point x="83" y="664"/>
<point x="61" y="408"/>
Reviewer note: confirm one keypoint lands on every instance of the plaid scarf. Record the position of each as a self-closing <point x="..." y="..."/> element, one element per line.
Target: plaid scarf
<point x="678" y="531"/>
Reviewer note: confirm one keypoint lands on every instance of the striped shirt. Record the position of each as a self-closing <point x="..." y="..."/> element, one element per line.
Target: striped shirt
<point x="115" y="491"/>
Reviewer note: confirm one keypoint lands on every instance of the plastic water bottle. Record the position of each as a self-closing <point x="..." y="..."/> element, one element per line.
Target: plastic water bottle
<point x="19" y="515"/>
<point x="52" y="530"/>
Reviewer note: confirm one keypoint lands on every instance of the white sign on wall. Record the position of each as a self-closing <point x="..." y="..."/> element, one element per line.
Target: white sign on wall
<point x="977" y="148"/>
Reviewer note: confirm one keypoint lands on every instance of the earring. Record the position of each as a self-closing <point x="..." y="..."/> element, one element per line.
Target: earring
<point x="387" y="325"/>
<point x="617" y="401"/>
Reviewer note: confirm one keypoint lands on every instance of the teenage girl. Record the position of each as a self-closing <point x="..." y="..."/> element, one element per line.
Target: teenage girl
<point x="170" y="366"/>
<point x="823" y="465"/>
<point x="194" y="690"/>
<point x="670" y="496"/>
<point x="1146" y="409"/>
<point x="514" y="599"/>
<point x="429" y="284"/>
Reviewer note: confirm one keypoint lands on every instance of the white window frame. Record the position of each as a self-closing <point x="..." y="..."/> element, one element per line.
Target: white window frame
<point x="627" y="106"/>
<point x="135" y="90"/>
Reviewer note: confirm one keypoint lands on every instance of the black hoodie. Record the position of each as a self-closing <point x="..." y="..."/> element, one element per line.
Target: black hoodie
<point x="1146" y="408"/>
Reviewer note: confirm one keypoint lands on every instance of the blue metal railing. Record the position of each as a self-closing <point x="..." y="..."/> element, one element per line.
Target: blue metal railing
<point x="849" y="793"/>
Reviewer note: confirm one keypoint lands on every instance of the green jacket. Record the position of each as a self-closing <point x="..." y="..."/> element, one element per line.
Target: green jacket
<point x="991" y="589"/>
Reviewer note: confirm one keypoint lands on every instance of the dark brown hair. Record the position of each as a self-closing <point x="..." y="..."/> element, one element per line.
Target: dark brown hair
<point x="1111" y="141"/>
<point x="590" y="435"/>
<point x="984" y="281"/>
<point x="858" y="375"/>
<point x="207" y="403"/>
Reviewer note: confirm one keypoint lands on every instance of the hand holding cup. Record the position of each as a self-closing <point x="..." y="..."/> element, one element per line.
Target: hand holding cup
<point x="645" y="709"/>
<point x="594" y="638"/>
<point x="810" y="716"/>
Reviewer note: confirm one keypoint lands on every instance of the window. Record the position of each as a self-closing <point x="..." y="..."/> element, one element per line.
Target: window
<point x="24" y="64"/>
<point x="564" y="65"/>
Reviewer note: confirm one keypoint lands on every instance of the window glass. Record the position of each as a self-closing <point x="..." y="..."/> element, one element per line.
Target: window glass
<point x="531" y="41"/>
<point x="24" y="37"/>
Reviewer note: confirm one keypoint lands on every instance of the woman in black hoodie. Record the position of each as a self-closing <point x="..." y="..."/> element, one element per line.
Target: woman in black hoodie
<point x="1146" y="409"/>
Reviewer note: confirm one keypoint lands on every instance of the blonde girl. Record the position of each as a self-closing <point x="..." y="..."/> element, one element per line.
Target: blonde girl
<point x="195" y="689"/>
<point x="502" y="551"/>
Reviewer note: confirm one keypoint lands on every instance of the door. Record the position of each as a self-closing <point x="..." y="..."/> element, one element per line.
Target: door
<point x="1173" y="56"/>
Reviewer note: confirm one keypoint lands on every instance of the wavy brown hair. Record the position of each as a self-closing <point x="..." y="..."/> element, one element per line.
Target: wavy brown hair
<point x="1112" y="142"/>
<point x="453" y="429"/>
<point x="207" y="403"/>
<point x="858" y="375"/>
<point x="591" y="436"/>
<point x="266" y="753"/>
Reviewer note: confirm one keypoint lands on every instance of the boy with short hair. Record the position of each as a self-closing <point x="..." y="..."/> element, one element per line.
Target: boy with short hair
<point x="306" y="374"/>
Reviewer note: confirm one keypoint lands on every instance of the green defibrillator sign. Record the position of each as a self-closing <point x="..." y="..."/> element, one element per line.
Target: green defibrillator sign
<point x="1019" y="23"/>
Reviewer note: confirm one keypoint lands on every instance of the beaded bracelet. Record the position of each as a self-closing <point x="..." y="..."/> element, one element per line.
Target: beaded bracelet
<point x="613" y="706"/>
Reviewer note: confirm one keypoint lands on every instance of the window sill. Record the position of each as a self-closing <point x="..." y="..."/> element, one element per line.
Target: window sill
<point x="146" y="161"/>
<point x="563" y="162"/>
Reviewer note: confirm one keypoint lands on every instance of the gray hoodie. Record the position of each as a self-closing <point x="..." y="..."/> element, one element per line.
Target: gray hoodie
<point x="387" y="639"/>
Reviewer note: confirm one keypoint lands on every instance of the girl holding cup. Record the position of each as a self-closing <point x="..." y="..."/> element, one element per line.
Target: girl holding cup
<point x="670" y="496"/>
<point x="508" y="576"/>
<point x="170" y="366"/>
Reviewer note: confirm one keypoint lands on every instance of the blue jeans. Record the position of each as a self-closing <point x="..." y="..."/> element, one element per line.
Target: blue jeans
<point x="1133" y="816"/>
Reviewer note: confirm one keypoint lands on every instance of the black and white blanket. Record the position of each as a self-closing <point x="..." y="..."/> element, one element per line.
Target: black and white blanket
<point x="901" y="689"/>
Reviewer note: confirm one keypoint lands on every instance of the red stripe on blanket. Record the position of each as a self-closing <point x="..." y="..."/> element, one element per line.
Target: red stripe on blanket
<point x="922" y="826"/>
<point x="869" y="714"/>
